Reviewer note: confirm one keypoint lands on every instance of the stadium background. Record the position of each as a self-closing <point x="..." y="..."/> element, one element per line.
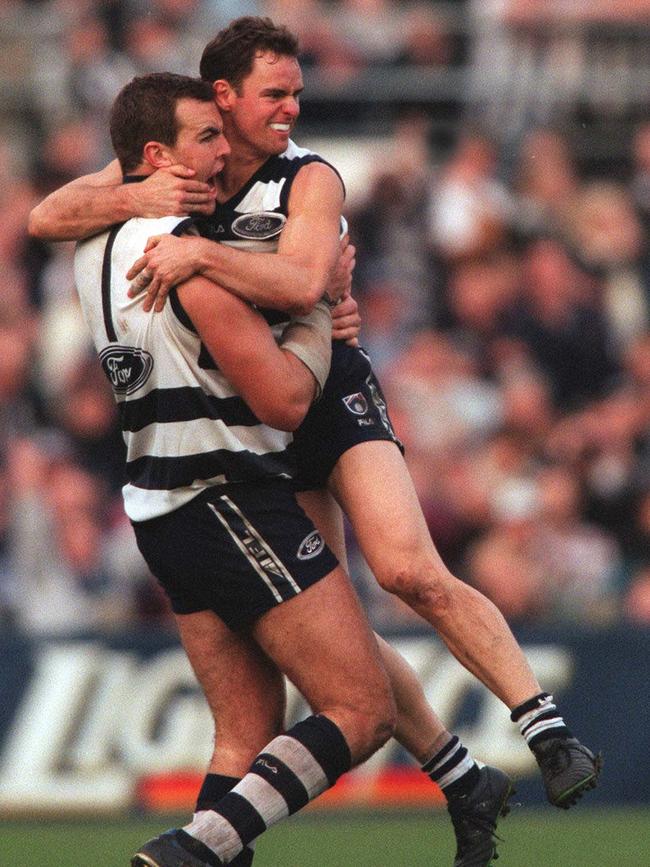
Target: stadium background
<point x="497" y="159"/>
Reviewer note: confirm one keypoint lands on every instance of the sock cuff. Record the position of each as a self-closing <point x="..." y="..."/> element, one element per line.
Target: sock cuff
<point x="532" y="704"/>
<point x="212" y="790"/>
<point x="325" y="741"/>
<point x="435" y="759"/>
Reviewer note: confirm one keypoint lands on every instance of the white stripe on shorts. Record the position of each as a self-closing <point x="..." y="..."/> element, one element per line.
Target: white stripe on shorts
<point x="257" y="566"/>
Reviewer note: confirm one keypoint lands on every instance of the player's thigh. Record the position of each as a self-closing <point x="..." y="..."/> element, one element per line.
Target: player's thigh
<point x="372" y="483"/>
<point x="321" y="507"/>
<point x="322" y="641"/>
<point x="243" y="687"/>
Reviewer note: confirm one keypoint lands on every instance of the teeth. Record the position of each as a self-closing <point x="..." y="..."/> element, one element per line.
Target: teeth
<point x="281" y="127"/>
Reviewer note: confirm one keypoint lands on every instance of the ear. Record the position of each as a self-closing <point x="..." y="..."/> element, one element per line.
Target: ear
<point x="157" y="155"/>
<point x="224" y="94"/>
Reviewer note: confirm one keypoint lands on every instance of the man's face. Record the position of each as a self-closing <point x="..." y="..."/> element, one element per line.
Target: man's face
<point x="200" y="143"/>
<point x="266" y="109"/>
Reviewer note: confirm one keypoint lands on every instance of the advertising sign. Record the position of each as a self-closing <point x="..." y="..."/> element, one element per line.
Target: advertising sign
<point x="104" y="724"/>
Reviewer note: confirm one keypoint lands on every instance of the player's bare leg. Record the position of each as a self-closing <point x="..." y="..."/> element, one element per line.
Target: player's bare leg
<point x="246" y="695"/>
<point x="476" y="798"/>
<point x="390" y="528"/>
<point x="419" y="730"/>
<point x="321" y="641"/>
<point x="392" y="533"/>
<point x="244" y="690"/>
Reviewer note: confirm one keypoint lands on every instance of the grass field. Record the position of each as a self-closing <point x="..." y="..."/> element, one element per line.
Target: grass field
<point x="531" y="839"/>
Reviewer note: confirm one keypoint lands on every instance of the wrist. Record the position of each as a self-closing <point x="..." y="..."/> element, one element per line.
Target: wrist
<point x="128" y="201"/>
<point x="203" y="255"/>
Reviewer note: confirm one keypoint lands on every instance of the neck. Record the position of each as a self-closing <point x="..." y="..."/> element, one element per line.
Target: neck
<point x="236" y="173"/>
<point x="141" y="171"/>
<point x="241" y="164"/>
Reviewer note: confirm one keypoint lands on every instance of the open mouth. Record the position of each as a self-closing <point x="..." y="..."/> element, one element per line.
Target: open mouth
<point x="281" y="127"/>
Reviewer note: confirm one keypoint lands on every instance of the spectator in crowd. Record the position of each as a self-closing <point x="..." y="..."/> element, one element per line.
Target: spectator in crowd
<point x="60" y="579"/>
<point x="606" y="232"/>
<point x="559" y="319"/>
<point x="545" y="182"/>
<point x="96" y="70"/>
<point x="581" y="562"/>
<point x="471" y="209"/>
<point x="389" y="229"/>
<point x="502" y="563"/>
<point x="427" y="41"/>
<point x="640" y="182"/>
<point x="370" y="27"/>
<point x="636" y="606"/>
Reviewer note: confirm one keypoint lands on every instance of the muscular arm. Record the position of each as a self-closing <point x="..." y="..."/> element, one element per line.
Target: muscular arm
<point x="293" y="279"/>
<point x="275" y="384"/>
<point x="94" y="202"/>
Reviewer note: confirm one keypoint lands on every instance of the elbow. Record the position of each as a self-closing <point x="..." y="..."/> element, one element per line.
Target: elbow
<point x="35" y="228"/>
<point x="295" y="415"/>
<point x="285" y="415"/>
<point x="313" y="295"/>
<point x="40" y="226"/>
<point x="309" y="296"/>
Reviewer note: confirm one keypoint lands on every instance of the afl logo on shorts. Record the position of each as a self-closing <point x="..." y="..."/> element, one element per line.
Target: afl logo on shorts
<point x="311" y="546"/>
<point x="259" y="226"/>
<point x="356" y="403"/>
<point x="126" y="367"/>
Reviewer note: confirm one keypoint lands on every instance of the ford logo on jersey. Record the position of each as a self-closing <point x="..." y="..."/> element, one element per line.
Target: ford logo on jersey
<point x="259" y="226"/>
<point x="126" y="367"/>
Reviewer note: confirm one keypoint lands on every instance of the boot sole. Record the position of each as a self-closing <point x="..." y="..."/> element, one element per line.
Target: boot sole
<point x="572" y="796"/>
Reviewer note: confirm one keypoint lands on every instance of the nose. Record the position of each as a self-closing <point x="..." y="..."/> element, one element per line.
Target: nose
<point x="224" y="148"/>
<point x="291" y="106"/>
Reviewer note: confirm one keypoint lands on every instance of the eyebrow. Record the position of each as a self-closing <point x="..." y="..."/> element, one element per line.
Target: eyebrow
<point x="270" y="90"/>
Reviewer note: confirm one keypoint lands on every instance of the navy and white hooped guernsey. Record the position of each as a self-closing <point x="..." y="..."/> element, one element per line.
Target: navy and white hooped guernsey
<point x="184" y="426"/>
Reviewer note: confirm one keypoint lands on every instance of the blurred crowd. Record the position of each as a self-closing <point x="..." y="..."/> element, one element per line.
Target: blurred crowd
<point x="505" y="291"/>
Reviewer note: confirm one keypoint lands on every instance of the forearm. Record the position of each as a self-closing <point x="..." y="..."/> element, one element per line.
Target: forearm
<point x="282" y="282"/>
<point x="79" y="210"/>
<point x="295" y="372"/>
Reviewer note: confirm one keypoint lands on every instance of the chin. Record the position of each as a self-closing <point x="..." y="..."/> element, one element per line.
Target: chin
<point x="279" y="147"/>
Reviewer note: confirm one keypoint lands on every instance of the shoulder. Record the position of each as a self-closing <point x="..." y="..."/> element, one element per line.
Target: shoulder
<point x="126" y="241"/>
<point x="134" y="234"/>
<point x="317" y="184"/>
<point x="307" y="164"/>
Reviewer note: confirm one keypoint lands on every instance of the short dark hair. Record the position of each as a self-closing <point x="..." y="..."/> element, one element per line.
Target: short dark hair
<point x="145" y="110"/>
<point x="230" y="55"/>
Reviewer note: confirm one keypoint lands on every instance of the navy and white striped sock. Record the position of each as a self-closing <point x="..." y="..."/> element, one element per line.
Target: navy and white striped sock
<point x="453" y="769"/>
<point x="538" y="720"/>
<point x="213" y="789"/>
<point x="292" y="770"/>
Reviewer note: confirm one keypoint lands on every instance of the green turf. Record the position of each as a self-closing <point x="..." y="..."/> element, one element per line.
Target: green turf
<point x="531" y="839"/>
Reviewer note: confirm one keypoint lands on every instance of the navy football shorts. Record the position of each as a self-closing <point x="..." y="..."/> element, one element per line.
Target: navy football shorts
<point x="351" y="410"/>
<point x="236" y="549"/>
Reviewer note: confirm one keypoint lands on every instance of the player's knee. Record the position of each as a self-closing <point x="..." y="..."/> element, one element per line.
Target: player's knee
<point x="421" y="584"/>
